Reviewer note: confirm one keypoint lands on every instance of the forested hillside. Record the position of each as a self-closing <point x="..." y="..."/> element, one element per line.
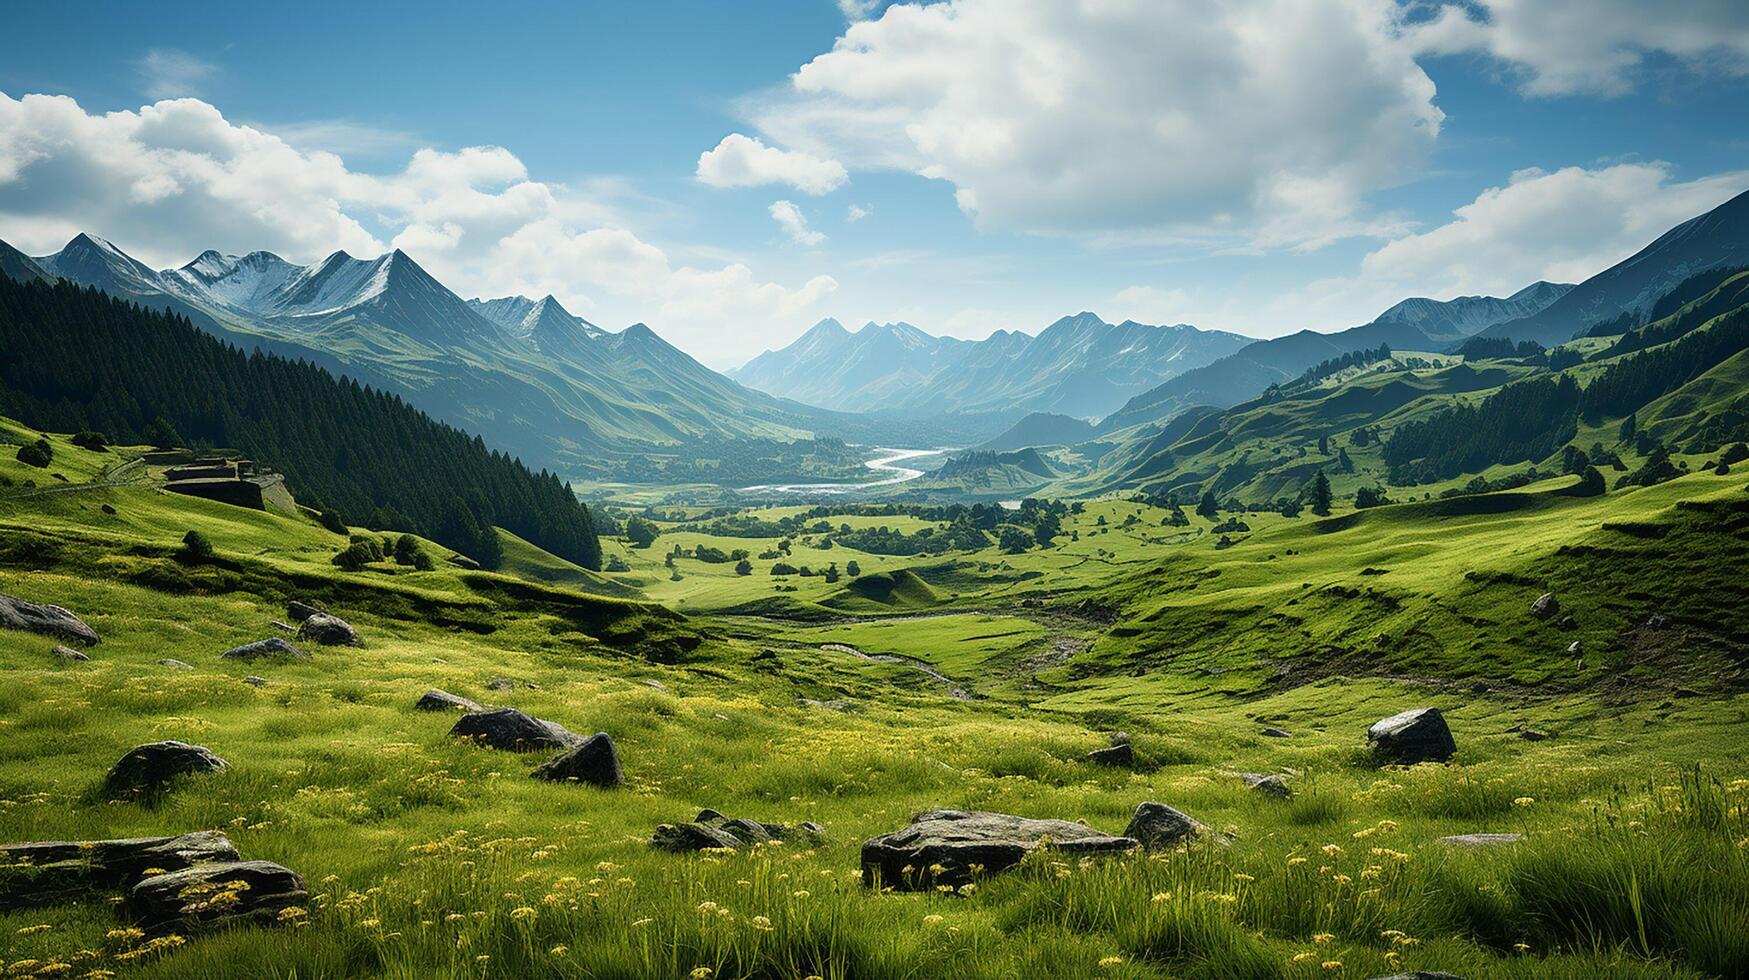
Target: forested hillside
<point x="81" y="360"/>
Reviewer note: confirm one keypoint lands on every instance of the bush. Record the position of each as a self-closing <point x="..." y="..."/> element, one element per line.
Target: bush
<point x="642" y="532"/>
<point x="852" y="569"/>
<point x="97" y="442"/>
<point x="332" y="520"/>
<point x="783" y="568"/>
<point x="617" y="564"/>
<point x="357" y="555"/>
<point x="743" y="567"/>
<point x="39" y="453"/>
<point x="160" y="434"/>
<point x="196" y="545"/>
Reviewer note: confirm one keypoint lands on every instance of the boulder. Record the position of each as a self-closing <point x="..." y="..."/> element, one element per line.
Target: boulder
<point x="1118" y="753"/>
<point x="1157" y="826"/>
<point x="298" y="610"/>
<point x="16" y="614"/>
<point x="513" y="730"/>
<point x="711" y="829"/>
<point x="69" y="654"/>
<point x="500" y="684"/>
<point x="273" y="646"/>
<point x="150" y="768"/>
<point x="175" y="664"/>
<point x="212" y="894"/>
<point x="941" y="847"/>
<point x="1416" y="735"/>
<point x="1274" y="733"/>
<point x="435" y="700"/>
<point x="595" y="762"/>
<point x="1546" y="605"/>
<point x="1481" y="840"/>
<point x="329" y="631"/>
<point x="1271" y="785"/>
<point x="108" y="862"/>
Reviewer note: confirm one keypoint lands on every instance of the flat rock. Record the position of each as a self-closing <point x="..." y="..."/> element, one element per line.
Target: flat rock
<point x="150" y="768"/>
<point x="329" y="631"/>
<point x="1416" y="735"/>
<point x="69" y="654"/>
<point x="1157" y="826"/>
<point x="254" y="680"/>
<point x="435" y="700"/>
<point x="175" y="664"/>
<point x="273" y="646"/>
<point x="107" y="862"/>
<point x="1481" y="840"/>
<point x="595" y="762"/>
<point x="1270" y="785"/>
<point x="513" y="730"/>
<point x="17" y="614"/>
<point x="1119" y="754"/>
<point x="299" y="610"/>
<point x="711" y="829"/>
<point x="941" y="847"/>
<point x="211" y="894"/>
<point x="1274" y="733"/>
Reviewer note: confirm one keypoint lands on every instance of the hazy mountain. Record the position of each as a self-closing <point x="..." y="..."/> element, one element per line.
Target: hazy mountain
<point x="1715" y="239"/>
<point x="1079" y="365"/>
<point x="1247" y="373"/>
<point x="1042" y="429"/>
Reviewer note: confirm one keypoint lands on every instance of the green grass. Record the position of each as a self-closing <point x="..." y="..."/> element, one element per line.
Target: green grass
<point x="430" y="857"/>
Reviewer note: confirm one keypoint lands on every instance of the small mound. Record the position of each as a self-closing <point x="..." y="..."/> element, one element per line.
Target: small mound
<point x="900" y="589"/>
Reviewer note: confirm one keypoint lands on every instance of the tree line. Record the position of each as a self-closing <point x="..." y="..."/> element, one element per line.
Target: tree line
<point x="79" y="359"/>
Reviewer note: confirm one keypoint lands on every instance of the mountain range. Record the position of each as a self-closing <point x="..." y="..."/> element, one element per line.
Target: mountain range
<point x="1079" y="366"/>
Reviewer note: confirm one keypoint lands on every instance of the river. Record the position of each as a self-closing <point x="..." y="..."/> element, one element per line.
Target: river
<point x="887" y="462"/>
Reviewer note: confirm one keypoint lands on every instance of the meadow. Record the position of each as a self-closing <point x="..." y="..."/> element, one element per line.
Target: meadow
<point x="426" y="855"/>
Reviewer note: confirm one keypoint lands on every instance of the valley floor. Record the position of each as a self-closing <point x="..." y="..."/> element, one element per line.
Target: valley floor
<point x="1609" y="735"/>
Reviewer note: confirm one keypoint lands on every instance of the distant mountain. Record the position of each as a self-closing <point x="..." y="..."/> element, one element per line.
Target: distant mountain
<point x="1713" y="240"/>
<point x="1080" y="366"/>
<point x="17" y="265"/>
<point x="1244" y="375"/>
<point x="527" y="374"/>
<point x="1042" y="429"/>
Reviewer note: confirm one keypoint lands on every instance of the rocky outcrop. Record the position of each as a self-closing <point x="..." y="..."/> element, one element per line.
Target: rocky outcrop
<point x="273" y="646"/>
<point x="941" y="847"/>
<point x="151" y="768"/>
<point x="40" y="873"/>
<point x="595" y="762"/>
<point x="711" y="829"/>
<point x="513" y="730"/>
<point x="16" y="614"/>
<point x="435" y="700"/>
<point x="1157" y="826"/>
<point x="329" y="631"/>
<point x="206" y="895"/>
<point x="1416" y="735"/>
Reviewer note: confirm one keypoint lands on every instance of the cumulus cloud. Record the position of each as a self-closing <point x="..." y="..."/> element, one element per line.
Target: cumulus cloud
<point x="168" y="73"/>
<point x="742" y="161"/>
<point x="857" y="212"/>
<point x="1268" y="121"/>
<point x="795" y="224"/>
<point x="857" y="9"/>
<point x="1564" y="47"/>
<point x="176" y="177"/>
<point x="1563" y="225"/>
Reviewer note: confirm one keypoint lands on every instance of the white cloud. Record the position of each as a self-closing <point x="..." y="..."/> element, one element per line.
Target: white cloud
<point x="795" y="224"/>
<point x="1563" y="47"/>
<point x="1268" y="121"/>
<point x="857" y="9"/>
<point x="742" y="161"/>
<point x="170" y="74"/>
<point x="176" y="177"/>
<point x="1564" y="225"/>
<point x="857" y="212"/>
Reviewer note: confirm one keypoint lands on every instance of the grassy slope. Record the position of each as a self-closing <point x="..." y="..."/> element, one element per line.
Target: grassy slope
<point x="421" y="850"/>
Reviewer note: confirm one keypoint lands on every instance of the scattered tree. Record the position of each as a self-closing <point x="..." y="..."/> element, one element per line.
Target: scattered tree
<point x="39" y="454"/>
<point x="743" y="567"/>
<point x="195" y="545"/>
<point x="642" y="532"/>
<point x="1207" y="507"/>
<point x="1318" y="495"/>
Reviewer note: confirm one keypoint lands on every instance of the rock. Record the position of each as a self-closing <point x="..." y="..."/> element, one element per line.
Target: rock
<point x="658" y="685"/>
<point x="1157" y="826"/>
<point x="1545" y="606"/>
<point x="1117" y="754"/>
<point x="1532" y="735"/>
<point x="435" y="700"/>
<point x="255" y="681"/>
<point x="595" y="762"/>
<point x="298" y="610"/>
<point x="116" y="861"/>
<point x="16" y="614"/>
<point x="500" y="684"/>
<point x="513" y="730"/>
<point x="836" y="704"/>
<point x="1481" y="840"/>
<point x="711" y="829"/>
<point x="273" y="646"/>
<point x="1416" y="735"/>
<point x="283" y="627"/>
<point x="1573" y="648"/>
<point x="941" y="847"/>
<point x="210" y="894"/>
<point x="330" y="631"/>
<point x="1274" y="733"/>
<point x="69" y="654"/>
<point x="151" y="768"/>
<point x="174" y="664"/>
<point x="1271" y="785"/>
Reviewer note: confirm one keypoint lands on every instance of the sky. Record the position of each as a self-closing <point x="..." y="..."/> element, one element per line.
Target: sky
<point x="732" y="173"/>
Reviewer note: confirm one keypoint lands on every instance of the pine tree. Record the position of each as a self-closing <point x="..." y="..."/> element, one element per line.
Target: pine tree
<point x="1318" y="495"/>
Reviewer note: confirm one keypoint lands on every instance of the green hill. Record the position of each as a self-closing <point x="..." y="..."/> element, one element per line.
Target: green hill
<point x="898" y="589"/>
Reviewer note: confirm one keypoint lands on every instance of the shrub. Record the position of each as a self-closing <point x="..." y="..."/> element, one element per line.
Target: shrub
<point x="617" y="564"/>
<point x="97" y="442"/>
<point x="783" y="568"/>
<point x="642" y="532"/>
<point x="196" y="545"/>
<point x="743" y="567"/>
<point x="356" y="556"/>
<point x="39" y="453"/>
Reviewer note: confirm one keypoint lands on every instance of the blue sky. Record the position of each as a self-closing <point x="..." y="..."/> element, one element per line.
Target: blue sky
<point x="1262" y="167"/>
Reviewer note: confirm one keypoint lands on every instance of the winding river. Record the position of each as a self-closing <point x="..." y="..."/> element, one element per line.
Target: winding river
<point x="886" y="463"/>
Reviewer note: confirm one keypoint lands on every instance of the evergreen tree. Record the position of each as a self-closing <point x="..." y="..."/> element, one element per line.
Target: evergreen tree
<point x="1318" y="495"/>
<point x="1207" y="507"/>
